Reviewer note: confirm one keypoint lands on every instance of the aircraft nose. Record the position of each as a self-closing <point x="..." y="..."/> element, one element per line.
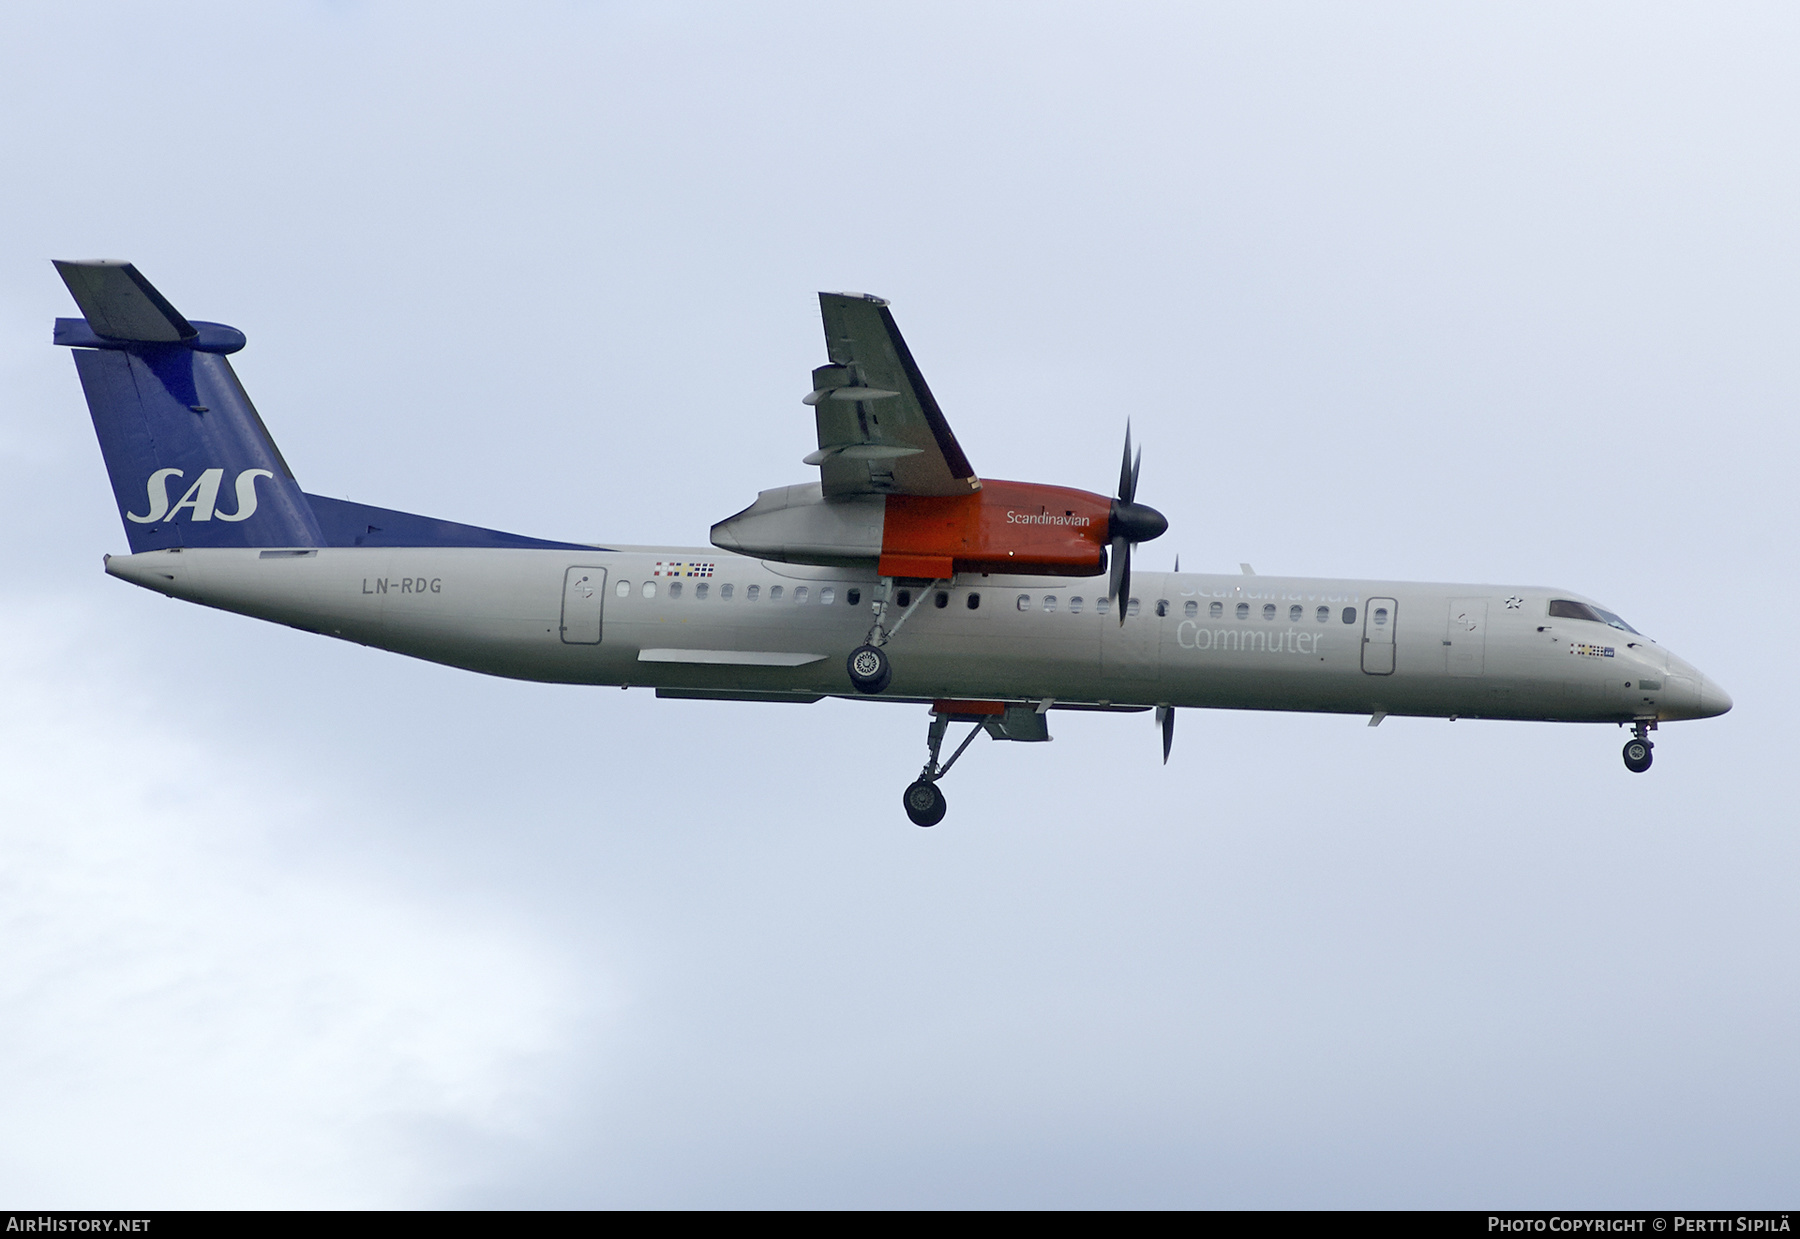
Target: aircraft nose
<point x="1714" y="700"/>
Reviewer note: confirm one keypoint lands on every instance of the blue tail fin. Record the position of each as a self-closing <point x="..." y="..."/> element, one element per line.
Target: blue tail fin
<point x="191" y="462"/>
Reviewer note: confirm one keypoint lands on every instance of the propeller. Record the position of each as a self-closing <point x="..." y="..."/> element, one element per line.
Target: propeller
<point x="1165" y="719"/>
<point x="1129" y="523"/>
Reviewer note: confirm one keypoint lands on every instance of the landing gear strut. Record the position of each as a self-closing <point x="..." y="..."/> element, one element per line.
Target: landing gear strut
<point x="1637" y="749"/>
<point x="924" y="803"/>
<point x="867" y="665"/>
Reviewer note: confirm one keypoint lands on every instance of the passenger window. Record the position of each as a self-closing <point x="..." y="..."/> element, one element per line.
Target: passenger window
<point x="1215" y="610"/>
<point x="1324" y="615"/>
<point x="775" y="593"/>
<point x="649" y="589"/>
<point x="725" y="592"/>
<point x="1190" y="608"/>
<point x="1243" y="610"/>
<point x="1131" y="608"/>
<point x="941" y="601"/>
<point x="1162" y="608"/>
<point x="1024" y="602"/>
<point x="827" y="596"/>
<point x="624" y="589"/>
<point x="1075" y="605"/>
<point x="702" y="590"/>
<point x="903" y="598"/>
<point x="974" y="602"/>
<point x="674" y="589"/>
<point x="1268" y="610"/>
<point x="1349" y="615"/>
<point x="1049" y="602"/>
<point x="1293" y="615"/>
<point x="1380" y="616"/>
<point x="1102" y="605"/>
<point x="751" y="593"/>
<point x="853" y="598"/>
<point x="800" y="596"/>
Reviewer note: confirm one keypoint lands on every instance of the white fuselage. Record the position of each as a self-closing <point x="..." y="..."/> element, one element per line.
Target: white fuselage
<point x="720" y="625"/>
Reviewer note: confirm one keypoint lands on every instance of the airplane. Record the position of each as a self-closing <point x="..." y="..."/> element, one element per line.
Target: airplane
<point x="899" y="575"/>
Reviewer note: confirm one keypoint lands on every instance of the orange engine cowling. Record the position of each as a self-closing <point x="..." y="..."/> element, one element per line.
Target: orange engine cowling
<point x="1003" y="527"/>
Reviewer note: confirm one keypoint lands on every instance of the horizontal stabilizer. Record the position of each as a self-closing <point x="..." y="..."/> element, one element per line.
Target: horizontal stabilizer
<point x="120" y="304"/>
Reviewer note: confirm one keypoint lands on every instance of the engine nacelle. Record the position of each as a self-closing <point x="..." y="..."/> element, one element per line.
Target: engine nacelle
<point x="1020" y="527"/>
<point x="1003" y="527"/>
<point x="799" y="525"/>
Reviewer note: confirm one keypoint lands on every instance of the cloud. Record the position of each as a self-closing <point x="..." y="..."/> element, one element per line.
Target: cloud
<point x="200" y="1005"/>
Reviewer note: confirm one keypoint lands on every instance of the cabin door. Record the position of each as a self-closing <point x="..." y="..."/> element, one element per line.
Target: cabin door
<point x="1465" y="637"/>
<point x="1378" y="636"/>
<point x="584" y="594"/>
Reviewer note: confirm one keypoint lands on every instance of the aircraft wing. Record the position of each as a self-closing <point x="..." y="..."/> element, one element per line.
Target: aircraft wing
<point x="880" y="430"/>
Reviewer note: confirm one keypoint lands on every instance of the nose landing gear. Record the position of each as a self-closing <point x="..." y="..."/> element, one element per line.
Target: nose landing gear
<point x="1638" y="748"/>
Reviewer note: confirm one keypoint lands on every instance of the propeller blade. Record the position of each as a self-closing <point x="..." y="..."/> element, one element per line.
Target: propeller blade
<point x="1165" y="718"/>
<point x="1127" y="475"/>
<point x="1121" y="574"/>
<point x="1130" y="523"/>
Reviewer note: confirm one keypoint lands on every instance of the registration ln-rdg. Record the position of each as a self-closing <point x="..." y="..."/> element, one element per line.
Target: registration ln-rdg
<point x="898" y="575"/>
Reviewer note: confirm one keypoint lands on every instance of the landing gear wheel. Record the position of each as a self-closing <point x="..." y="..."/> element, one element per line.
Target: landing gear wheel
<point x="869" y="670"/>
<point x="1637" y="755"/>
<point x="924" y="803"/>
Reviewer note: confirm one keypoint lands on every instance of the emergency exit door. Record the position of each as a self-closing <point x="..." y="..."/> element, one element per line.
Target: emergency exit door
<point x="584" y="594"/>
<point x="1378" y="636"/>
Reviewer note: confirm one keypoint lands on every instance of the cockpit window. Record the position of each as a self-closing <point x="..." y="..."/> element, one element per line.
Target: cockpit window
<point x="1616" y="622"/>
<point x="1564" y="608"/>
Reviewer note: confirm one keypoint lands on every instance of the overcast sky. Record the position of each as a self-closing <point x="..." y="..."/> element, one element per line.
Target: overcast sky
<point x="1499" y="293"/>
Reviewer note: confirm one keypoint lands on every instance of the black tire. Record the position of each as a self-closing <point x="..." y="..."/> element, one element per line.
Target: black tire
<point x="869" y="669"/>
<point x="1638" y="755"/>
<point x="924" y="803"/>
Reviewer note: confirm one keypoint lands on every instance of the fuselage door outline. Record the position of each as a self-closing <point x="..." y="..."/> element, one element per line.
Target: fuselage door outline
<point x="1380" y="616"/>
<point x="584" y="600"/>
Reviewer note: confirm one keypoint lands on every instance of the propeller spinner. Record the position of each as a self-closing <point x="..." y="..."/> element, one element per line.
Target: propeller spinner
<point x="1129" y="523"/>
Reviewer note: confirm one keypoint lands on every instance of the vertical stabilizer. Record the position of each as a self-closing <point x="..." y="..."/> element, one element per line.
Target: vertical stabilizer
<point x="191" y="462"/>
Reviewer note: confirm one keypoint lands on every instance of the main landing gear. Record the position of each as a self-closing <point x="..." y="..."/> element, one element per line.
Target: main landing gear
<point x="923" y="801"/>
<point x="1638" y="748"/>
<point x="868" y="666"/>
<point x="925" y="804"/>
